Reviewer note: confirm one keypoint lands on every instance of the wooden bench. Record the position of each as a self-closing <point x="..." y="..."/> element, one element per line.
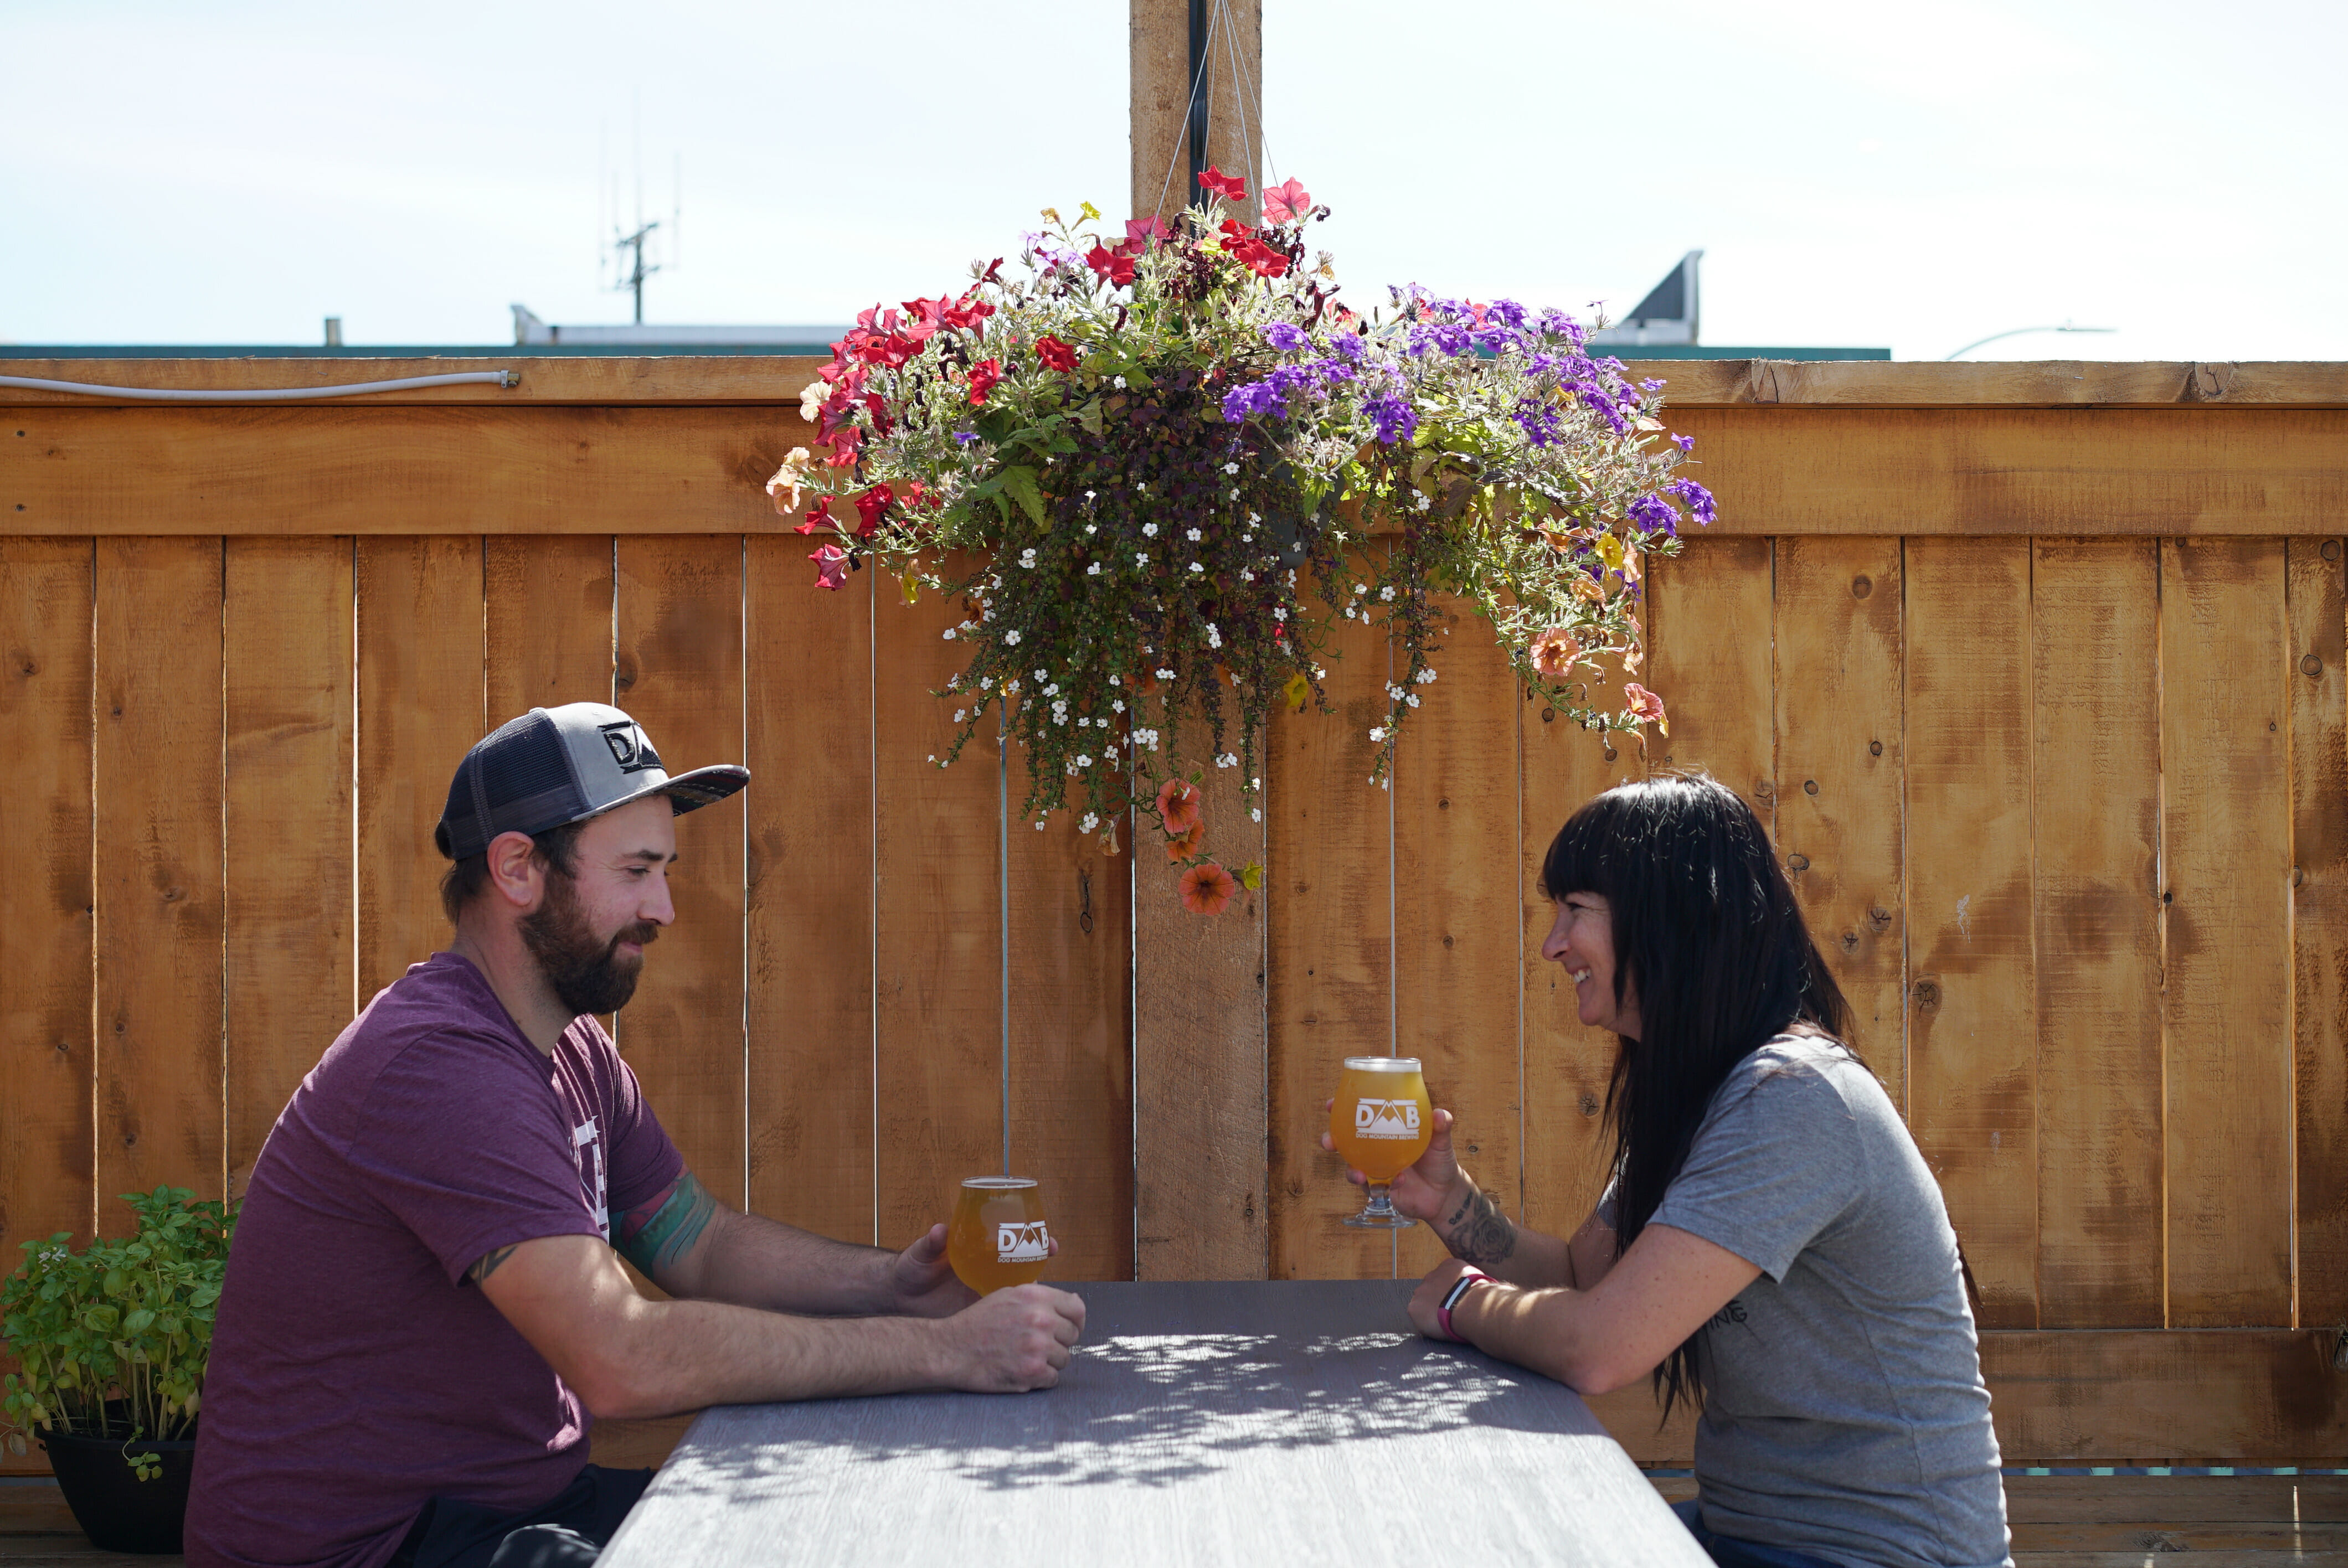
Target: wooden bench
<point x="2059" y="1521"/>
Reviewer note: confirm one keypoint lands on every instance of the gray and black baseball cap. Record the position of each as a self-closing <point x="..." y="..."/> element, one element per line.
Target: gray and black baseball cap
<point x="558" y="765"/>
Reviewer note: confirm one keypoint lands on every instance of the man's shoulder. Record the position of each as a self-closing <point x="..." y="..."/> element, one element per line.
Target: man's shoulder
<point x="439" y="1020"/>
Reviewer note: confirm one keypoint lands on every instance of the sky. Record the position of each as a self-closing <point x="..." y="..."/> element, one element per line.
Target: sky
<point x="1908" y="177"/>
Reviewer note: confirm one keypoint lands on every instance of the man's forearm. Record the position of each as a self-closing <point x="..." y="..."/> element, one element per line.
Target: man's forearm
<point x="754" y="1262"/>
<point x="684" y="1355"/>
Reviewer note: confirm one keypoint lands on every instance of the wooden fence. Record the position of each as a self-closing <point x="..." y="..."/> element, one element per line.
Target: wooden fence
<point x="2036" y="673"/>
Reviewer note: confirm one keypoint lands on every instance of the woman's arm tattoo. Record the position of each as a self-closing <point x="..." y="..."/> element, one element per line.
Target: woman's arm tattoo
<point x="655" y="1234"/>
<point x="1477" y="1232"/>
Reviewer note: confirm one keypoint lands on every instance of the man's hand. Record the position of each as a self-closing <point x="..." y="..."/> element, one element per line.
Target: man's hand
<point x="1012" y="1340"/>
<point x="920" y="1283"/>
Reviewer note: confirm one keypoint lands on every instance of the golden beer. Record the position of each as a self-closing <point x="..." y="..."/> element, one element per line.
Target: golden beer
<point x="996" y="1238"/>
<point x="1381" y="1123"/>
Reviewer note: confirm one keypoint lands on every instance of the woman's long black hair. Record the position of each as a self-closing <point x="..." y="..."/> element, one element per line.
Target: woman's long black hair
<point x="1708" y="938"/>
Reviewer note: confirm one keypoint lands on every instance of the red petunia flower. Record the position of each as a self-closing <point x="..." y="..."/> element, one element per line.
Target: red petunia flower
<point x="983" y="377"/>
<point x="869" y="505"/>
<point x="1140" y="231"/>
<point x="1225" y="185"/>
<point x="1054" y="353"/>
<point x="844" y="442"/>
<point x="830" y="565"/>
<point x="1287" y="203"/>
<point x="1116" y="269"/>
<point x="1177" y="806"/>
<point x="1639" y="703"/>
<point x="819" y="519"/>
<point x="1260" y="258"/>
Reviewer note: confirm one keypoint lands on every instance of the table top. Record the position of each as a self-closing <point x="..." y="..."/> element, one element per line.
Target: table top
<point x="1286" y="1421"/>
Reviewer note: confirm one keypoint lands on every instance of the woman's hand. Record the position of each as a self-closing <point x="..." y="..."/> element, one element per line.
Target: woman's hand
<point x="1428" y="1298"/>
<point x="1421" y="1191"/>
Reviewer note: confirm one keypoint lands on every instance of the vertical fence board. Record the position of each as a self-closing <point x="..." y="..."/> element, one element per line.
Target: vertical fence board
<point x="1330" y="982"/>
<point x="548" y="631"/>
<point x="1839" y="784"/>
<point x="1710" y="617"/>
<point x="938" y="1059"/>
<point x="1567" y="1065"/>
<point x="47" y="1160"/>
<point x="2319" y="806"/>
<point x="1972" y="1016"/>
<point x="1457" y="928"/>
<point x="1071" y="1062"/>
<point x="809" y="809"/>
<point x="286" y="629"/>
<point x="419" y="708"/>
<point x="2225" y="655"/>
<point x="678" y="672"/>
<point x="158" y="868"/>
<point x="2095" y="636"/>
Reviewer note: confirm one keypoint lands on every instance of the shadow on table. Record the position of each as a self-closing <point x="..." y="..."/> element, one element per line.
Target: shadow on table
<point x="1140" y="1410"/>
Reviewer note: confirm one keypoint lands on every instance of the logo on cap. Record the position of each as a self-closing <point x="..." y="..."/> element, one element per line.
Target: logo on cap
<point x="629" y="748"/>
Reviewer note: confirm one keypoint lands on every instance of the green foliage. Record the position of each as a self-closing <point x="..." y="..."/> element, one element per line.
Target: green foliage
<point x="123" y="1320"/>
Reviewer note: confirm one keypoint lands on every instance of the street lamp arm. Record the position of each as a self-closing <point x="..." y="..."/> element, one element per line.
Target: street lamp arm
<point x="2018" y="332"/>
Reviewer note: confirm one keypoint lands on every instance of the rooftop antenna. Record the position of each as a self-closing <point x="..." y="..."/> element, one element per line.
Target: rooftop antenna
<point x="633" y="280"/>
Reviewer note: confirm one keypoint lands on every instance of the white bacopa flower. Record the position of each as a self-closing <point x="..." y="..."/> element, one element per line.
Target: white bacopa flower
<point x="1120" y="383"/>
<point x="1039" y="825"/>
<point x="1150" y="530"/>
<point x="1278" y="613"/>
<point x="934" y="756"/>
<point x="960" y="714"/>
<point x="1114" y="681"/>
<point x="1011" y="637"/>
<point x="1088" y="495"/>
<point x="986" y="683"/>
<point x="1093" y="571"/>
<point x="1424" y="676"/>
<point x="1194" y="535"/>
<point x="948" y="634"/>
<point x="1083" y="760"/>
<point x="1247" y="577"/>
<point x="1089" y="823"/>
<point x="1041" y="675"/>
<point x="1092" y="527"/>
<point x="1027" y="557"/>
<point x="1385" y="595"/>
<point x="1141" y="557"/>
<point x="1255" y="813"/>
<point x="1197" y="567"/>
<point x="1214" y="636"/>
<point x="1254" y="784"/>
<point x="1377" y="732"/>
<point x="1053" y="689"/>
<point x="1165" y="674"/>
<point x="1361" y="588"/>
<point x="1117" y="706"/>
<point x="1011" y="687"/>
<point x="1231" y="468"/>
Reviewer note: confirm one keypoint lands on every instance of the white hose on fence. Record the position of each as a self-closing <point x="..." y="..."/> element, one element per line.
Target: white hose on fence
<point x="263" y="394"/>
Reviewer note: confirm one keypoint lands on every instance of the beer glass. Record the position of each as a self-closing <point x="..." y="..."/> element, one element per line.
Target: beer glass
<point x="1381" y="1123"/>
<point x="996" y="1238"/>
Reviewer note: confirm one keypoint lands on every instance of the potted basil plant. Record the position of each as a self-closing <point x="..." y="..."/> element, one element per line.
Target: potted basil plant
<point x="111" y="1344"/>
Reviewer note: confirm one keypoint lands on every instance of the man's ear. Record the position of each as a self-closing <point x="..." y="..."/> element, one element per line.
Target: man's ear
<point x="516" y="875"/>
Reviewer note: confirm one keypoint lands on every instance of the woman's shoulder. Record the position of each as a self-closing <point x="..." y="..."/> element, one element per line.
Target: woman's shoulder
<point x="1806" y="1068"/>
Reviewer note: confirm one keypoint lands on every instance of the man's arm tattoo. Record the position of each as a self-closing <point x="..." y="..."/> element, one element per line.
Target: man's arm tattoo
<point x="655" y="1234"/>
<point x="488" y="1264"/>
<point x="1477" y="1233"/>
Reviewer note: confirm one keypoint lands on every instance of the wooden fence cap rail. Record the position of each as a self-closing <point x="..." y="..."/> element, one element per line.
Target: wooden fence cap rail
<point x="755" y="379"/>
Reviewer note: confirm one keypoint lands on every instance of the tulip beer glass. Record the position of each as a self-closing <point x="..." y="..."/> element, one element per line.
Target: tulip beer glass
<point x="1381" y="1123"/>
<point x="996" y="1238"/>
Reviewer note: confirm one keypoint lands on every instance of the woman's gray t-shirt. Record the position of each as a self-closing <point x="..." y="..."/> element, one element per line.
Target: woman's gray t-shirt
<point x="1844" y="1413"/>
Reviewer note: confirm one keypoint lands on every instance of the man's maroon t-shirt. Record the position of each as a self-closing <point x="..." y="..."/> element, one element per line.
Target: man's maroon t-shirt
<point x="355" y="1372"/>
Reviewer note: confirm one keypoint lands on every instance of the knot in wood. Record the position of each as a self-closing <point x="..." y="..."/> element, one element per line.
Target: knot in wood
<point x="2310" y="665"/>
<point x="1764" y="789"/>
<point x="1928" y="996"/>
<point x="2330" y="547"/>
<point x="1549" y="715"/>
<point x="1588" y="1106"/>
<point x="1797" y="862"/>
<point x="1850" y="941"/>
<point x="1861" y="586"/>
<point x="1809" y="786"/>
<point x="1875" y="748"/>
<point x="1879" y="918"/>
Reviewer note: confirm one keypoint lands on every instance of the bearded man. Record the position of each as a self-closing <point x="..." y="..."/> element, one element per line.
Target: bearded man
<point x="424" y="1308"/>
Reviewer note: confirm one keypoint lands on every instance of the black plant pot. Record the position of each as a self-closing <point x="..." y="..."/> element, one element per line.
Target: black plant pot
<point x="114" y="1508"/>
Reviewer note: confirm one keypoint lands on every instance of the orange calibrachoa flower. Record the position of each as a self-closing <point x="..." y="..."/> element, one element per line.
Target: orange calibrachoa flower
<point x="1208" y="889"/>
<point x="1554" y="651"/>
<point x="1641" y="703"/>
<point x="1184" y="845"/>
<point x="1177" y="806"/>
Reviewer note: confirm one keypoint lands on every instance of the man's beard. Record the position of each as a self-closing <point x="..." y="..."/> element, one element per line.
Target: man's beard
<point x="587" y="974"/>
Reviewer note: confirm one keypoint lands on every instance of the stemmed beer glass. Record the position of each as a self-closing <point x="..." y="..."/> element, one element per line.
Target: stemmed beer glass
<point x="996" y="1238"/>
<point x="1381" y="1123"/>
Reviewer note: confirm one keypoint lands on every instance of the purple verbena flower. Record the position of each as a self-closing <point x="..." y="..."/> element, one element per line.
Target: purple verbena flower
<point x="1286" y="337"/>
<point x="1653" y="514"/>
<point x="1395" y="419"/>
<point x="1698" y="499"/>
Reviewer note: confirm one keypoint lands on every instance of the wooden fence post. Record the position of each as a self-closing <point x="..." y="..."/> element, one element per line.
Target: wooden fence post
<point x="1198" y="1045"/>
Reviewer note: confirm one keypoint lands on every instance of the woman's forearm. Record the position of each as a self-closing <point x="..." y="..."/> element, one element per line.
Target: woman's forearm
<point x="1471" y="1224"/>
<point x="1547" y="1331"/>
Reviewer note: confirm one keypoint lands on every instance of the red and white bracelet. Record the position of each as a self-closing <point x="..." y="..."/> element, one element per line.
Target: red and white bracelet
<point x="1469" y="1277"/>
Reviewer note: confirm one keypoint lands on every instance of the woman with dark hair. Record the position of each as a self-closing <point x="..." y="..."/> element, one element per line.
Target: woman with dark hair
<point x="1771" y="1247"/>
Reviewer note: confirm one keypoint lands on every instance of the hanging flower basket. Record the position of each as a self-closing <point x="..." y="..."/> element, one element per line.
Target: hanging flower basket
<point x="1170" y="462"/>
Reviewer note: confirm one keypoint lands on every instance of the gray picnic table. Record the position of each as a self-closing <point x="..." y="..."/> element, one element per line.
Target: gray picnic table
<point x="1286" y="1422"/>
